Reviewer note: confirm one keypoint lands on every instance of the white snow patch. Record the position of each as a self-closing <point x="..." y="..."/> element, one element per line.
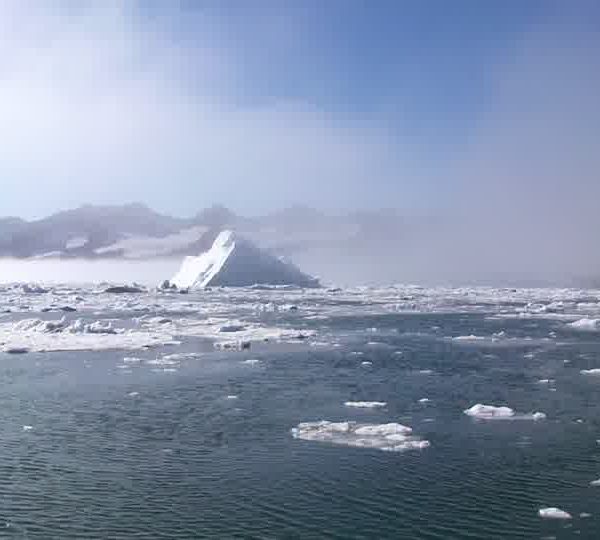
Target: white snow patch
<point x="390" y="437"/>
<point x="76" y="242"/>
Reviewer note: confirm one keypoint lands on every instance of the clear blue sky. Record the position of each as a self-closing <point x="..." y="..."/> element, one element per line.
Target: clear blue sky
<point x="337" y="104"/>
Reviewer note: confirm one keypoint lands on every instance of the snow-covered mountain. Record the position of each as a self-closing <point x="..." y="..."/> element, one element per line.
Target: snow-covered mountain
<point x="136" y="232"/>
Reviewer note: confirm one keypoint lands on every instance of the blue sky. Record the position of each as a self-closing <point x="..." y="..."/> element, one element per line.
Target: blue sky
<point x="340" y="105"/>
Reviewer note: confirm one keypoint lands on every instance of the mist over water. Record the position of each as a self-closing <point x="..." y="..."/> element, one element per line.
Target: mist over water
<point x="149" y="273"/>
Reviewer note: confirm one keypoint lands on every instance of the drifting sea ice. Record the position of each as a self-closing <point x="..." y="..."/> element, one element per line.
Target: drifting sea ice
<point x="365" y="404"/>
<point x="491" y="412"/>
<point x="390" y="437"/>
<point x="553" y="513"/>
<point x="586" y="324"/>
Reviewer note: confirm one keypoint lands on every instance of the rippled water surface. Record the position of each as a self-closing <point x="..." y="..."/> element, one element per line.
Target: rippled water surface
<point x="200" y="446"/>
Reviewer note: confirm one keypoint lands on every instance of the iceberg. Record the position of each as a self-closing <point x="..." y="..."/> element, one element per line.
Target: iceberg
<point x="235" y="262"/>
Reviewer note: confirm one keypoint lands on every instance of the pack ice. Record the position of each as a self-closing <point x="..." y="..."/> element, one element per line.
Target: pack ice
<point x="233" y="261"/>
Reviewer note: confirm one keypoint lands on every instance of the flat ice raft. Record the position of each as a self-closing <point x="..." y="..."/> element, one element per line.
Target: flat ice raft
<point x="235" y="262"/>
<point x="390" y="437"/>
<point x="491" y="412"/>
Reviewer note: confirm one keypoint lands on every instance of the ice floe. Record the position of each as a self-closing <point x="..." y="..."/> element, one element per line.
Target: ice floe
<point x="492" y="412"/>
<point x="365" y="404"/>
<point x="251" y="362"/>
<point x="594" y="371"/>
<point x="586" y="324"/>
<point x="390" y="437"/>
<point x="553" y="513"/>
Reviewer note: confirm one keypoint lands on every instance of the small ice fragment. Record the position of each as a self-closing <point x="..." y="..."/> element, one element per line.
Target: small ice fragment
<point x="544" y="381"/>
<point x="584" y="515"/>
<point x="131" y="360"/>
<point x="489" y="411"/>
<point x="366" y="363"/>
<point x="585" y="324"/>
<point x="424" y="400"/>
<point x="426" y="371"/>
<point x="27" y="428"/>
<point x="399" y="353"/>
<point x="579" y="421"/>
<point x="365" y="404"/>
<point x="251" y="362"/>
<point x="231" y="396"/>
<point x="594" y="371"/>
<point x="538" y="416"/>
<point x="553" y="513"/>
<point x="595" y="483"/>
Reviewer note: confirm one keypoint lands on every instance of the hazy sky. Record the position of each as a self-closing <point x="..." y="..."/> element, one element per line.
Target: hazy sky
<point x="337" y="104"/>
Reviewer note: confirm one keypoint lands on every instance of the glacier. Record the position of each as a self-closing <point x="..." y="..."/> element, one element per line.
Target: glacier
<point x="233" y="261"/>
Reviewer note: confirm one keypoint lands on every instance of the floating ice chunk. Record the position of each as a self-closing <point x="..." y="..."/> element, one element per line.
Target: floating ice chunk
<point x="32" y="288"/>
<point x="27" y="428"/>
<point x="377" y="344"/>
<point x="586" y="324"/>
<point x="164" y="361"/>
<point x="553" y="513"/>
<point x="424" y="400"/>
<point x="538" y="416"/>
<point x="469" y="338"/>
<point x="594" y="371"/>
<point x="584" y="515"/>
<point x="232" y="396"/>
<point x="595" y="483"/>
<point x="366" y="363"/>
<point x="544" y="381"/>
<point x="365" y="404"/>
<point x="426" y="371"/>
<point x="232" y="328"/>
<point x="133" y="394"/>
<point x="251" y="362"/>
<point x="131" y="360"/>
<point x="489" y="411"/>
<point x="390" y="437"/>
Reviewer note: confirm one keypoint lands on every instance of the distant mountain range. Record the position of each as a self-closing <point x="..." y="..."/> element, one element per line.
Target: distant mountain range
<point x="135" y="231"/>
<point x="358" y="247"/>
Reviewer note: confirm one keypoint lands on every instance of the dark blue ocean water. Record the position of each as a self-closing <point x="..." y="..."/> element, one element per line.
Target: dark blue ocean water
<point x="139" y="452"/>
